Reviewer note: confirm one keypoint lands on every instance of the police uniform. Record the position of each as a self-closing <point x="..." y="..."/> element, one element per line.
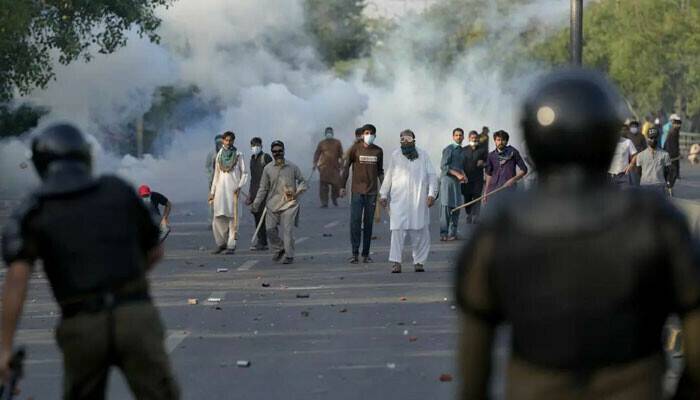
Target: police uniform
<point x="586" y="309"/>
<point x="93" y="236"/>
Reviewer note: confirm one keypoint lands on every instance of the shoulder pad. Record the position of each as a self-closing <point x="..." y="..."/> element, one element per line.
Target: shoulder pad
<point x="13" y="240"/>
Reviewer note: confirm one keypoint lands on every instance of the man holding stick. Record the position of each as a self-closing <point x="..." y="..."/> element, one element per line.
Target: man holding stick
<point x="504" y="166"/>
<point x="230" y="175"/>
<point x="282" y="182"/>
<point x="474" y="161"/>
<point x="258" y="161"/>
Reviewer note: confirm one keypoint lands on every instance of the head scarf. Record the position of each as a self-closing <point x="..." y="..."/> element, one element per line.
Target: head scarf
<point x="227" y="158"/>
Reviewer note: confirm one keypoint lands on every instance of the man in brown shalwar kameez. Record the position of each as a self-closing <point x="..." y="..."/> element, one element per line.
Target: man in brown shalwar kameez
<point x="328" y="159"/>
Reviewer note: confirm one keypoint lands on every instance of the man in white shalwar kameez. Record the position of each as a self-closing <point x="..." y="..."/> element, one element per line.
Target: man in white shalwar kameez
<point x="410" y="187"/>
<point x="230" y="175"/>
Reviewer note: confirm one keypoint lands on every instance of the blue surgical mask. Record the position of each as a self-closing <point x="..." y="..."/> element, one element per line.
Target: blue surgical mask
<point x="256" y="150"/>
<point x="369" y="139"/>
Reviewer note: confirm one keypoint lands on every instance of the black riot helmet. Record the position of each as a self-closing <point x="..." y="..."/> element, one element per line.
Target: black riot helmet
<point x="60" y="143"/>
<point x="572" y="118"/>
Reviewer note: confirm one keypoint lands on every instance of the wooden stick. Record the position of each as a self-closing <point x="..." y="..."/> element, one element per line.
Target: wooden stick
<point x="262" y="219"/>
<point x="479" y="199"/>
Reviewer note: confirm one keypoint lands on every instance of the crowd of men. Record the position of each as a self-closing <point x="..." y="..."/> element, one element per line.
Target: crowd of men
<point x="407" y="187"/>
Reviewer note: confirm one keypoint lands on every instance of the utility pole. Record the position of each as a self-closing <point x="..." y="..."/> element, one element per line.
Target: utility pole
<point x="576" y="44"/>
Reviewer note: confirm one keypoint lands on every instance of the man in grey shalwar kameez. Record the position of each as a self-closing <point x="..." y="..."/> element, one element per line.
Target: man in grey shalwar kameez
<point x="451" y="179"/>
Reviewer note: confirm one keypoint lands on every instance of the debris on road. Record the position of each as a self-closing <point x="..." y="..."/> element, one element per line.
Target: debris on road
<point x="303" y="295"/>
<point x="405" y="332"/>
<point x="214" y="299"/>
<point x="343" y="310"/>
<point x="453" y="307"/>
<point x="202" y="248"/>
<point x="412" y="338"/>
<point x="327" y="235"/>
<point x="391" y="365"/>
<point x="218" y="308"/>
<point x="403" y="299"/>
<point x="401" y="324"/>
<point x="243" y="363"/>
<point x="445" y="378"/>
<point x="265" y="284"/>
<point x="304" y="313"/>
<point x="192" y="302"/>
<point x="222" y="270"/>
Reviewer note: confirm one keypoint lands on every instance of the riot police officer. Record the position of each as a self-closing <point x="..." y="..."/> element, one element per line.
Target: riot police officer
<point x="97" y="242"/>
<point x="586" y="310"/>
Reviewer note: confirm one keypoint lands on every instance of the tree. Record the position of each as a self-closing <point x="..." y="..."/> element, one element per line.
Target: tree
<point x="650" y="48"/>
<point x="14" y="122"/>
<point x="32" y="32"/>
<point x="338" y="28"/>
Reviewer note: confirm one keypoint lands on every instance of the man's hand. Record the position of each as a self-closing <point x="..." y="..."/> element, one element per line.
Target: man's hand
<point x="480" y="163"/>
<point x="431" y="201"/>
<point x="509" y="183"/>
<point x="237" y="191"/>
<point x="384" y="202"/>
<point x="341" y="193"/>
<point x="164" y="222"/>
<point x="211" y="197"/>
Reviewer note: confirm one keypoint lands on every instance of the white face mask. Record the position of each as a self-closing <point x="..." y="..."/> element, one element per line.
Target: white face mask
<point x="472" y="143"/>
<point x="634" y="130"/>
<point x="369" y="139"/>
<point x="329" y="135"/>
<point x="256" y="150"/>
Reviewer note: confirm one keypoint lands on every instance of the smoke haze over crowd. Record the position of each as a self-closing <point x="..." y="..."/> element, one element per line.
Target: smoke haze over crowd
<point x="258" y="73"/>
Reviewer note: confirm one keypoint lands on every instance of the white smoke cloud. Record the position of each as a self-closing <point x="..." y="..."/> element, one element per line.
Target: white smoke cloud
<point x="252" y="61"/>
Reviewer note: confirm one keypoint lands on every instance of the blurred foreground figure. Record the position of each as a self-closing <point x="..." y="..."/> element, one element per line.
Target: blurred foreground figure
<point x="97" y="242"/>
<point x="586" y="317"/>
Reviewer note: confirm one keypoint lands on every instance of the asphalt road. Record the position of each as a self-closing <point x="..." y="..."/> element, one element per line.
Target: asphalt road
<point x="362" y="333"/>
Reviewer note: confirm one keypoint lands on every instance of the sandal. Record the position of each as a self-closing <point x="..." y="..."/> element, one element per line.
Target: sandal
<point x="419" y="268"/>
<point x="396" y="269"/>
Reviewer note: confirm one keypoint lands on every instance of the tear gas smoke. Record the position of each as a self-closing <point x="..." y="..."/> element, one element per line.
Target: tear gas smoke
<point x="259" y="74"/>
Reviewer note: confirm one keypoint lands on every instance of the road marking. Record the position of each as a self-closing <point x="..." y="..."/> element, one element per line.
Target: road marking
<point x="174" y="340"/>
<point x="332" y="224"/>
<point x="354" y="367"/>
<point x="305" y="287"/>
<point x="246" y="266"/>
<point x="301" y="240"/>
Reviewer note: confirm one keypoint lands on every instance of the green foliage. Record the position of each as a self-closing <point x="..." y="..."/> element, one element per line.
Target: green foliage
<point x="650" y="48"/>
<point x="33" y="32"/>
<point x="339" y="29"/>
<point x="14" y="122"/>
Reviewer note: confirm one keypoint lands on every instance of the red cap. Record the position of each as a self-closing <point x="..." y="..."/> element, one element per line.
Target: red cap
<point x="144" y="190"/>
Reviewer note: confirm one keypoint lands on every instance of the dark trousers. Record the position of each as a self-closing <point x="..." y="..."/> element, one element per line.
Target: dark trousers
<point x="362" y="208"/>
<point x="262" y="233"/>
<point x="472" y="191"/>
<point x="129" y="337"/>
<point x="324" y="188"/>
<point x="674" y="173"/>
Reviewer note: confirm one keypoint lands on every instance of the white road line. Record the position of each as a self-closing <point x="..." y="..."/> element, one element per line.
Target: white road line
<point x="301" y="240"/>
<point x="332" y="224"/>
<point x="246" y="266"/>
<point x="174" y="340"/>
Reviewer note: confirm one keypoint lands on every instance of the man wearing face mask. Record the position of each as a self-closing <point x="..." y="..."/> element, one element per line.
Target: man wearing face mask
<point x="632" y="132"/>
<point x="281" y="184"/>
<point x="671" y="143"/>
<point x="230" y="176"/>
<point x="411" y="186"/>
<point x="258" y="161"/>
<point x="328" y="159"/>
<point x="474" y="161"/>
<point x="367" y="162"/>
<point x="655" y="164"/>
<point x="504" y="166"/>
<point x="451" y="179"/>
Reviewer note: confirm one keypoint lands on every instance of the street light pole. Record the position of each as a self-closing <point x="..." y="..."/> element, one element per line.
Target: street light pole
<point x="576" y="44"/>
